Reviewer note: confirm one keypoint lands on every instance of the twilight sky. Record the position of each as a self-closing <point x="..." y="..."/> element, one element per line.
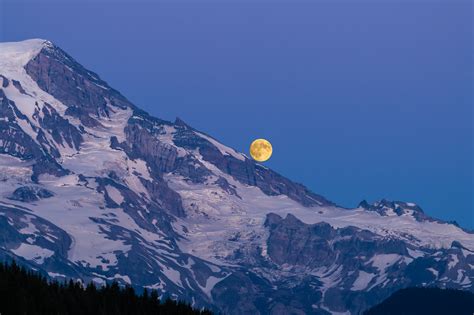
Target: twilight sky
<point x="360" y="99"/>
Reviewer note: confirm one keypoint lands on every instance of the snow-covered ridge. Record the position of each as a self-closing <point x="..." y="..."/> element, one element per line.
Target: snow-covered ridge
<point x="222" y="148"/>
<point x="15" y="55"/>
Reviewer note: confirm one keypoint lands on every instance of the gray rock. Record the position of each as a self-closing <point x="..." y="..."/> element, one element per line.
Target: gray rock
<point x="62" y="131"/>
<point x="83" y="116"/>
<point x="31" y="193"/>
<point x="61" y="76"/>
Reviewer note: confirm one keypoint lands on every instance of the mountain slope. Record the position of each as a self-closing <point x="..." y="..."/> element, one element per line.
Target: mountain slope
<point x="94" y="188"/>
<point x="433" y="301"/>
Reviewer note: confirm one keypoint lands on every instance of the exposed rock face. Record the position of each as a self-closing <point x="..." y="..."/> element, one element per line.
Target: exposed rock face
<point x="31" y="193"/>
<point x="49" y="166"/>
<point x="399" y="208"/>
<point x="162" y="194"/>
<point x="93" y="188"/>
<point x="18" y="86"/>
<point x="34" y="240"/>
<point x="360" y="253"/>
<point x="292" y="242"/>
<point x="160" y="156"/>
<point x="83" y="116"/>
<point x="61" y="76"/>
<point x="246" y="171"/>
<point x="60" y="129"/>
<point x="13" y="140"/>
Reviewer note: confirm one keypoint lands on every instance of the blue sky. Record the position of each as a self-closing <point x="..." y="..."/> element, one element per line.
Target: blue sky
<point x="361" y="99"/>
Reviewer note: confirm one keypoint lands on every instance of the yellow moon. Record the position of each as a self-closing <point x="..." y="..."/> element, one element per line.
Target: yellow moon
<point x="261" y="150"/>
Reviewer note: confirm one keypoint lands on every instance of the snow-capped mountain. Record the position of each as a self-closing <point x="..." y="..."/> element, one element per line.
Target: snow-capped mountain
<point x="93" y="188"/>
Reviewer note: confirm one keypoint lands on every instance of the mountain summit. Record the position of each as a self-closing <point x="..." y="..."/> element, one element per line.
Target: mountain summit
<point x="93" y="188"/>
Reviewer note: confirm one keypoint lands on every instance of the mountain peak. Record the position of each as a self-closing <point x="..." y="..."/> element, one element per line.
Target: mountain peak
<point x="27" y="43"/>
<point x="179" y="122"/>
<point x="20" y="53"/>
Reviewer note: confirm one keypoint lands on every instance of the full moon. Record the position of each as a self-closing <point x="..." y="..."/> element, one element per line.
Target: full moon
<point x="261" y="150"/>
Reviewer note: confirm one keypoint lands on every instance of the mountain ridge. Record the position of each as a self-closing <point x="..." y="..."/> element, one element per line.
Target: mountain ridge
<point x="164" y="206"/>
<point x="431" y="301"/>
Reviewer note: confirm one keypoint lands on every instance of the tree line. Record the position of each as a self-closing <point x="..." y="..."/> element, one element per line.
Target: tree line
<point x="27" y="292"/>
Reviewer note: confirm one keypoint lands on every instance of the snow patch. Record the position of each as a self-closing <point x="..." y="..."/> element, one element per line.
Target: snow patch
<point x="33" y="252"/>
<point x="362" y="281"/>
<point x="56" y="275"/>
<point x="126" y="279"/>
<point x="173" y="275"/>
<point x="384" y="261"/>
<point x="15" y="55"/>
<point x="454" y="261"/>
<point x="115" y="194"/>
<point x="434" y="272"/>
